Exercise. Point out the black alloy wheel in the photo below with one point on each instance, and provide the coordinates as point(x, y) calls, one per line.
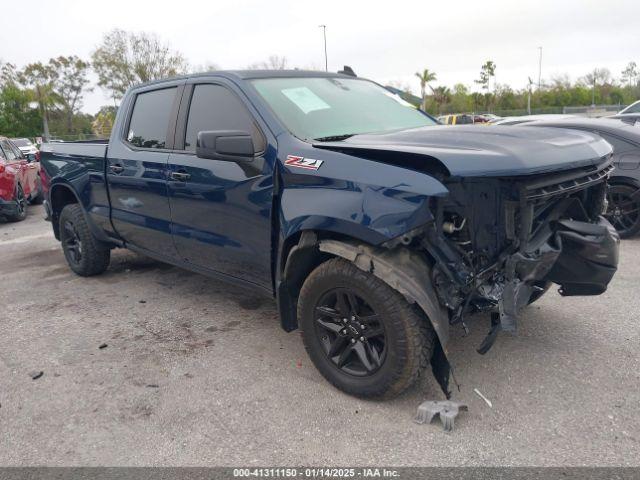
point(85, 255)
point(361, 334)
point(623, 210)
point(72, 244)
point(352, 335)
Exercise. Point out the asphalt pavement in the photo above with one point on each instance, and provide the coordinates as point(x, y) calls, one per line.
point(193, 372)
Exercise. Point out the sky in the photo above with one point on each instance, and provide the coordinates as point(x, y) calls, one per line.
point(384, 41)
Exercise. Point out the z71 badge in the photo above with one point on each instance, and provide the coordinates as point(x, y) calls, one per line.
point(301, 162)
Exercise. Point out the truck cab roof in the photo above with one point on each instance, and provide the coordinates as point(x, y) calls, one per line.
point(249, 75)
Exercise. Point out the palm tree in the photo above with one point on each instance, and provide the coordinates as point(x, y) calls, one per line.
point(425, 77)
point(441, 95)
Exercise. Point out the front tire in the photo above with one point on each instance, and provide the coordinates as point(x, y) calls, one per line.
point(84, 254)
point(362, 335)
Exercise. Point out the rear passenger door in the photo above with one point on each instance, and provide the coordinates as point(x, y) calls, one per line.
point(137, 170)
point(221, 209)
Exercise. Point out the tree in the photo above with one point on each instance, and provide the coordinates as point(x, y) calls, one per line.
point(103, 123)
point(441, 95)
point(69, 83)
point(124, 59)
point(595, 77)
point(630, 73)
point(41, 78)
point(274, 62)
point(8, 74)
point(205, 67)
point(460, 99)
point(425, 78)
point(17, 117)
point(487, 71)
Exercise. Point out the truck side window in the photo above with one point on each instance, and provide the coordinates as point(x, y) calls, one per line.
point(150, 118)
point(214, 107)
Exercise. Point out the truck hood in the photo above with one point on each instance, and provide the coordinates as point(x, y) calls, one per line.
point(480, 151)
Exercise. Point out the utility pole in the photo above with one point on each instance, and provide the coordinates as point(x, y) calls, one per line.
point(324, 34)
point(540, 69)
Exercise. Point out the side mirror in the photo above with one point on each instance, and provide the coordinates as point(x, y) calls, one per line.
point(231, 145)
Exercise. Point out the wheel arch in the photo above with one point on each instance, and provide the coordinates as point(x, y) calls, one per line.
point(60, 195)
point(624, 180)
point(400, 268)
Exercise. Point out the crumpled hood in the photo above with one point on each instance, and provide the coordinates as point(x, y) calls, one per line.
point(470, 151)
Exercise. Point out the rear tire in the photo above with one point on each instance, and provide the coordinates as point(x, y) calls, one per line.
point(362, 335)
point(21, 205)
point(84, 254)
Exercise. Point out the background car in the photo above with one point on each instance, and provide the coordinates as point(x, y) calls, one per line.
point(624, 184)
point(630, 118)
point(531, 118)
point(26, 147)
point(491, 118)
point(633, 108)
point(20, 182)
point(462, 119)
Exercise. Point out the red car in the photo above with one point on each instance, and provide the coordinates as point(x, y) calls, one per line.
point(19, 181)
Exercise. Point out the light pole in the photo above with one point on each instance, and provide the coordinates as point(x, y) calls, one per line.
point(324, 34)
point(540, 69)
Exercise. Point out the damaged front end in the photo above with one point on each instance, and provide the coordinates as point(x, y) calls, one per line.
point(498, 243)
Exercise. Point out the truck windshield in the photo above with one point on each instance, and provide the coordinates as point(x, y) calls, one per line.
point(329, 109)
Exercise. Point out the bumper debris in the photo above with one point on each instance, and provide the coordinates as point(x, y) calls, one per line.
point(447, 410)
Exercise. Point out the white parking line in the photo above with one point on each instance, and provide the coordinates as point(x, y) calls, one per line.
point(28, 238)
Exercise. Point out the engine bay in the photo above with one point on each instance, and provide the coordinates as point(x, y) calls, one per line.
point(497, 244)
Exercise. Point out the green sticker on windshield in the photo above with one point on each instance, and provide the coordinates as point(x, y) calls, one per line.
point(305, 99)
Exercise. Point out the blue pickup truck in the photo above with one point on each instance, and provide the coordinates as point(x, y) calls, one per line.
point(376, 230)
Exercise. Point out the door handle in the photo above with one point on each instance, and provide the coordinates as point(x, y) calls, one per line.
point(180, 176)
point(117, 168)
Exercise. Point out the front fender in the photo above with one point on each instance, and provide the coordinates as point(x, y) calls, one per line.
point(359, 198)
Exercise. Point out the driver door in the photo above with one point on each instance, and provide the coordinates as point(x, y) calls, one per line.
point(220, 209)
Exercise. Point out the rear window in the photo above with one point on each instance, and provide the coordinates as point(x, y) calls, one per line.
point(21, 142)
point(150, 118)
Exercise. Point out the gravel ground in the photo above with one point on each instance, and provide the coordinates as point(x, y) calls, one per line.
point(195, 373)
